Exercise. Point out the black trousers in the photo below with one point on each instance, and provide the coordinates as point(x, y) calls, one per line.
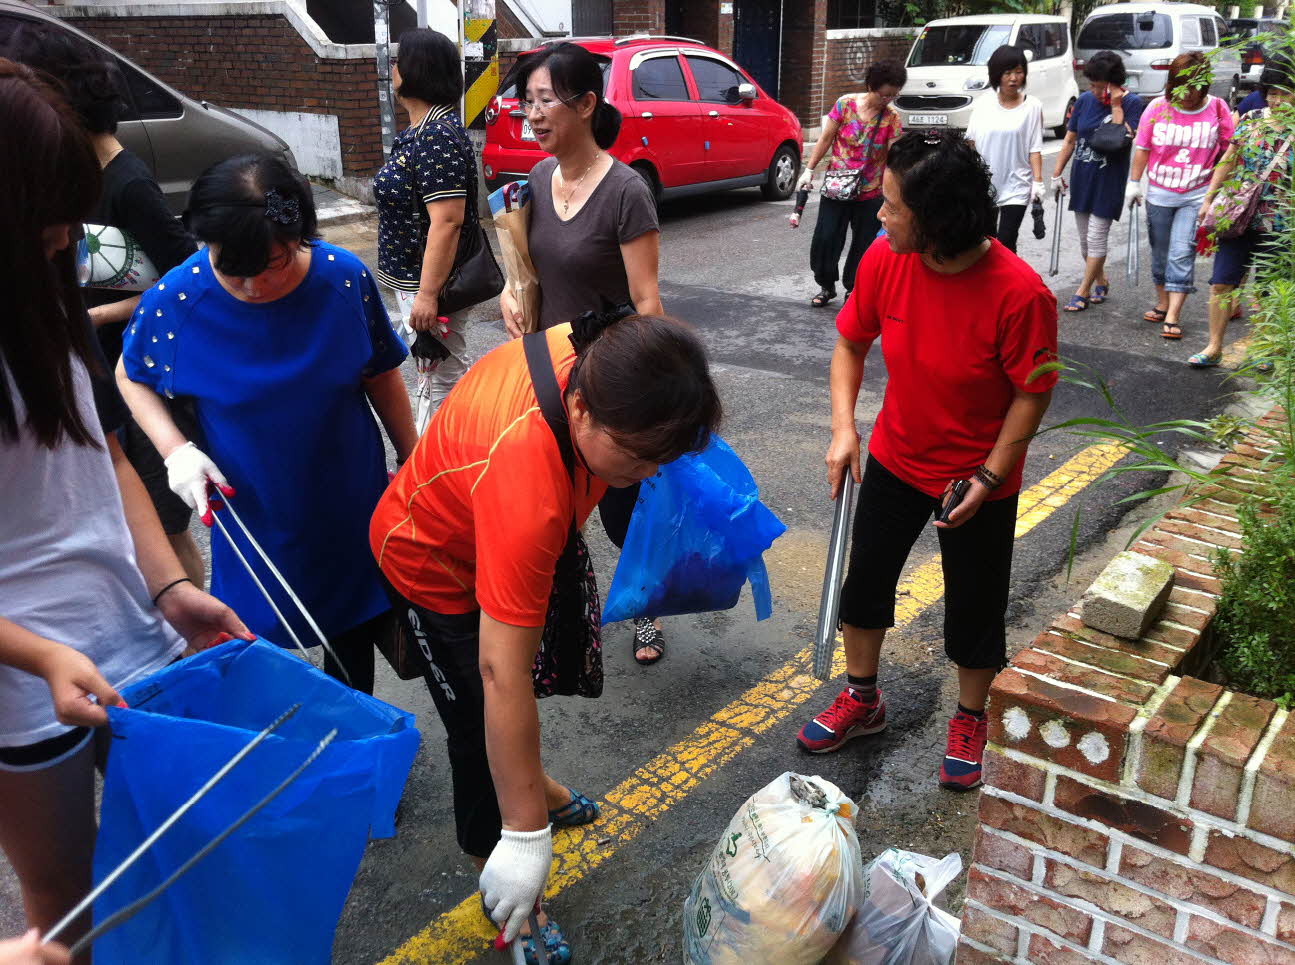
point(354, 650)
point(976, 559)
point(1010, 217)
point(615, 509)
point(835, 219)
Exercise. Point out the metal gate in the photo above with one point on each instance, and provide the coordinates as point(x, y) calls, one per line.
point(757, 40)
point(591, 18)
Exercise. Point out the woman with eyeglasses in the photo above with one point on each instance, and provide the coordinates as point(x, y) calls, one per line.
point(594, 236)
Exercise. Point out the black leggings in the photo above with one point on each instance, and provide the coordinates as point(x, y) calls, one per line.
point(615, 509)
point(976, 559)
point(1010, 217)
point(354, 649)
point(835, 218)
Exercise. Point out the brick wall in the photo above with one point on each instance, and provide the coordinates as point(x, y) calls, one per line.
point(638, 16)
point(701, 20)
point(804, 27)
point(847, 59)
point(257, 62)
point(1131, 812)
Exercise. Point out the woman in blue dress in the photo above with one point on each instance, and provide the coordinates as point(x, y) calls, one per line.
point(282, 342)
point(1097, 180)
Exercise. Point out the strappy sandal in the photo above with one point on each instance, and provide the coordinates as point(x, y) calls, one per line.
point(1100, 294)
point(1077, 303)
point(556, 946)
point(1171, 331)
point(648, 637)
point(579, 810)
point(1155, 315)
point(824, 296)
point(1203, 360)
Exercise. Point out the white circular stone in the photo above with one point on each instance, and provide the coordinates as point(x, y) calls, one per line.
point(1094, 747)
point(1016, 723)
point(1054, 734)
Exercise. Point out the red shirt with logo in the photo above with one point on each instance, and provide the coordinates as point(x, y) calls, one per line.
point(957, 347)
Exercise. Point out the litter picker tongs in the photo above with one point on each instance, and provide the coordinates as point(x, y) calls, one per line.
point(829, 606)
point(129, 911)
point(1132, 257)
point(1055, 265)
point(274, 571)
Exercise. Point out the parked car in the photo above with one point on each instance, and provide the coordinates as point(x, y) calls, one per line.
point(1253, 55)
point(694, 121)
point(1148, 36)
point(177, 136)
point(946, 68)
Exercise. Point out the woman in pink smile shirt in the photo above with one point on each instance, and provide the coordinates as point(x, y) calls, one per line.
point(1180, 139)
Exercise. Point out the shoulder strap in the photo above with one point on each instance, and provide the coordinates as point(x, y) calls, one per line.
point(540, 364)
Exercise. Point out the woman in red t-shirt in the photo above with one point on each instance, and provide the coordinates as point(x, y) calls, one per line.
point(964, 324)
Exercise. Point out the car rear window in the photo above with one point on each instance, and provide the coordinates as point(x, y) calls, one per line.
point(660, 79)
point(959, 45)
point(1127, 32)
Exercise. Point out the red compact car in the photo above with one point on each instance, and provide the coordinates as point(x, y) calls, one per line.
point(694, 122)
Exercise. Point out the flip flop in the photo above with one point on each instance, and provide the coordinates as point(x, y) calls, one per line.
point(1155, 315)
point(1171, 331)
point(1203, 361)
point(1078, 303)
point(1100, 293)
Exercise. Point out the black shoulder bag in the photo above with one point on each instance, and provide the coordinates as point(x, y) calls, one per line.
point(570, 658)
point(475, 277)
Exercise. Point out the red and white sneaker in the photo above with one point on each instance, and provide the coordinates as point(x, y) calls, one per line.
point(964, 752)
point(848, 717)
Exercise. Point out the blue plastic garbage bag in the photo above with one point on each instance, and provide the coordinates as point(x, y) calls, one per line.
point(274, 890)
point(697, 536)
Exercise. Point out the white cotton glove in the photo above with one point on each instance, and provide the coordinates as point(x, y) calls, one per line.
point(514, 876)
point(1036, 191)
point(188, 470)
point(1058, 186)
point(1132, 193)
point(806, 180)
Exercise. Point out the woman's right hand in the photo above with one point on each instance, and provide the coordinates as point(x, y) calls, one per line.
point(1058, 186)
point(842, 455)
point(73, 679)
point(28, 950)
point(511, 312)
point(1117, 96)
point(188, 472)
point(514, 876)
point(806, 180)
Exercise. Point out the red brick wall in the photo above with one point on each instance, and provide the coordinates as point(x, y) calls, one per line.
point(256, 62)
point(847, 61)
point(804, 43)
point(701, 20)
point(1131, 811)
point(638, 16)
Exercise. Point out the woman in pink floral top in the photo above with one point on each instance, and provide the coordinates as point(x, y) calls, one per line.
point(858, 131)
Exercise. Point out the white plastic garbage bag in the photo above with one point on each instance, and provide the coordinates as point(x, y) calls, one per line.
point(897, 922)
point(783, 881)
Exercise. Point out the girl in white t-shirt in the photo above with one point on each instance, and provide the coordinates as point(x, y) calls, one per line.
point(91, 594)
point(1007, 130)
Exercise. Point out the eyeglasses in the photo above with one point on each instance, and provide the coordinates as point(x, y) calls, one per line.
point(543, 104)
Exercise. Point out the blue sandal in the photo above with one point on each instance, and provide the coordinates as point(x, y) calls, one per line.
point(579, 810)
point(1076, 304)
point(1100, 292)
point(1203, 361)
point(556, 947)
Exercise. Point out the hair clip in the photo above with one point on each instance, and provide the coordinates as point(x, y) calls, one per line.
point(281, 210)
point(932, 137)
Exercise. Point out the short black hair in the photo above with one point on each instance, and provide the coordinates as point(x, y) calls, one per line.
point(230, 205)
point(1106, 66)
point(1006, 58)
point(574, 72)
point(86, 76)
point(885, 73)
point(429, 67)
point(946, 184)
point(1278, 73)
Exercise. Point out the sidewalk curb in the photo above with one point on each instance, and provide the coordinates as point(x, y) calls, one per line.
point(344, 212)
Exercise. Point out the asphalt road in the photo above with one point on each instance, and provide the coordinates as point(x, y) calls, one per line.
point(732, 267)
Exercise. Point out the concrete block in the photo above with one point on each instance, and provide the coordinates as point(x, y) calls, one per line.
point(1128, 596)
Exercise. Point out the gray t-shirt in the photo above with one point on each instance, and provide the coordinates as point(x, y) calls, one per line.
point(579, 261)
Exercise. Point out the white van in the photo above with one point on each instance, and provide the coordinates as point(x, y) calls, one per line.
point(946, 68)
point(1148, 36)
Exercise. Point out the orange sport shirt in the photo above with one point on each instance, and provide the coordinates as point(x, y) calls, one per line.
point(481, 511)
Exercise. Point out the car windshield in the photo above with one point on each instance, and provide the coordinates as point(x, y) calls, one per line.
point(1127, 32)
point(960, 45)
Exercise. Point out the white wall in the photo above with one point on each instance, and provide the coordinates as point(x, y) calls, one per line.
point(314, 138)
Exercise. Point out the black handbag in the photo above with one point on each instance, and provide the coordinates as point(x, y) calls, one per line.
point(475, 277)
point(570, 658)
point(1110, 138)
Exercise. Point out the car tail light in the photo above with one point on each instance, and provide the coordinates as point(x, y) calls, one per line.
point(1159, 65)
point(492, 110)
point(1252, 58)
point(1077, 64)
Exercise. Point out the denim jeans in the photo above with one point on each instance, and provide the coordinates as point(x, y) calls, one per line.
point(1172, 234)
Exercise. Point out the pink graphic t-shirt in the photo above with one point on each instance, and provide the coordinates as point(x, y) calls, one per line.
point(860, 144)
point(1184, 146)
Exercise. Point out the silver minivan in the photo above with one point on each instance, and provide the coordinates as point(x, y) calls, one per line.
point(178, 137)
point(1148, 36)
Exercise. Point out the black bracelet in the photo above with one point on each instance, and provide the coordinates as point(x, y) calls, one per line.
point(988, 478)
point(173, 583)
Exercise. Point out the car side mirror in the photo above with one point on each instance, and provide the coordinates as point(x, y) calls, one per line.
point(746, 92)
point(1029, 54)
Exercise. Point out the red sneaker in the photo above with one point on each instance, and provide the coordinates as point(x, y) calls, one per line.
point(847, 717)
point(964, 752)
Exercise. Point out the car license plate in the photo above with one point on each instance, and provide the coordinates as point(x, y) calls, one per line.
point(931, 120)
point(527, 133)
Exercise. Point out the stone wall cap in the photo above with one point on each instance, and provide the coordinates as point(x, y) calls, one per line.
point(1128, 595)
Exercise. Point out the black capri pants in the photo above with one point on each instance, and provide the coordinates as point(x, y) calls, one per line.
point(976, 559)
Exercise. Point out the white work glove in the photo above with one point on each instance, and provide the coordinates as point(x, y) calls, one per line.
point(806, 180)
point(514, 876)
point(1132, 193)
point(1036, 191)
point(188, 470)
point(1058, 186)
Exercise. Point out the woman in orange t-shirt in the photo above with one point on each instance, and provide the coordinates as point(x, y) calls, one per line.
point(469, 533)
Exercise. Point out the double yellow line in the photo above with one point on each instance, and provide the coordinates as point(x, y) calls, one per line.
point(462, 934)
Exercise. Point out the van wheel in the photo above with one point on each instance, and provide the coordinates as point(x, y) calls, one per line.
point(781, 179)
point(651, 180)
point(1065, 119)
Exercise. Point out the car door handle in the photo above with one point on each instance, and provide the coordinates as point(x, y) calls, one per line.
point(646, 115)
point(713, 114)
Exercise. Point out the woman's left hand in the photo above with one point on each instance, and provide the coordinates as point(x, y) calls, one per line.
point(422, 316)
point(976, 493)
point(1206, 205)
point(200, 618)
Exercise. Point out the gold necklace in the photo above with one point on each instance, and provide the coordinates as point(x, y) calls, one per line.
point(566, 205)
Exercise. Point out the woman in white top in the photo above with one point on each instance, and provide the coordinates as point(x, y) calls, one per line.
point(1007, 130)
point(91, 594)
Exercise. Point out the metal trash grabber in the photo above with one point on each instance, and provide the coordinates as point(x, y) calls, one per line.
point(274, 570)
point(1054, 265)
point(829, 605)
point(130, 911)
point(1133, 255)
point(166, 825)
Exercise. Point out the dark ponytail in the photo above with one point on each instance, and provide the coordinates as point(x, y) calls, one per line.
point(646, 382)
point(606, 124)
point(574, 72)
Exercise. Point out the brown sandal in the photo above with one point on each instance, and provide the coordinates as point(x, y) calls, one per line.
point(1155, 315)
point(1171, 331)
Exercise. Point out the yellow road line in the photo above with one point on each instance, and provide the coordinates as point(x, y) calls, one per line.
point(462, 934)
